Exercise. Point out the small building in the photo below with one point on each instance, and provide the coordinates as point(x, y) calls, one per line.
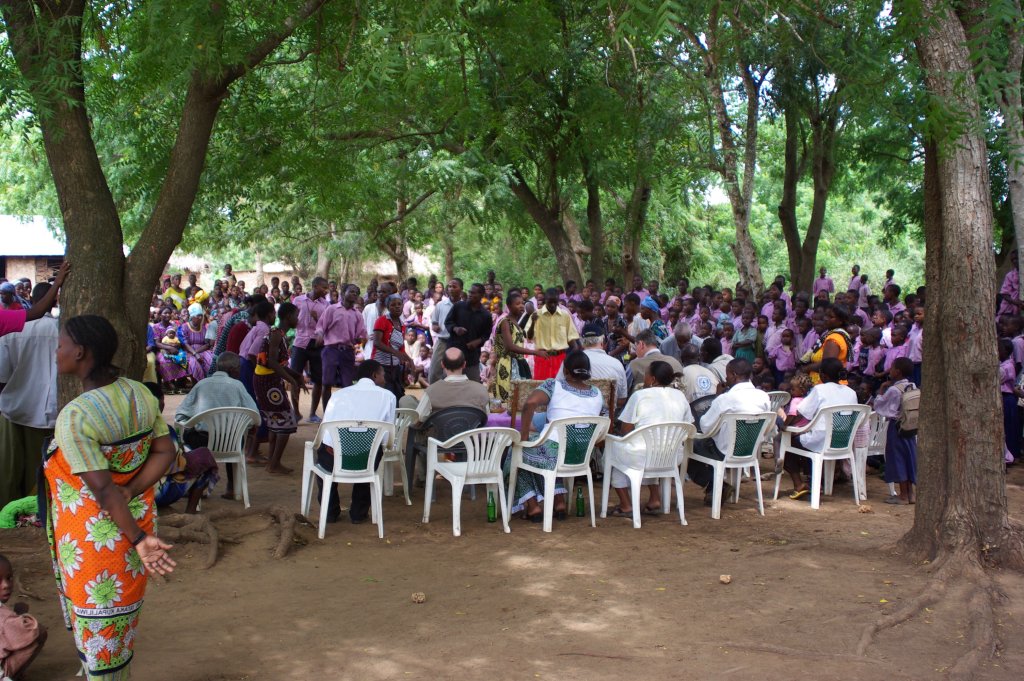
point(28, 249)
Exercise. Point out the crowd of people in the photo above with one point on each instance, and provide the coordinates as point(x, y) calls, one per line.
point(363, 354)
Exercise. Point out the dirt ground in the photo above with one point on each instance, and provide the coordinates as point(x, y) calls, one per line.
point(579, 603)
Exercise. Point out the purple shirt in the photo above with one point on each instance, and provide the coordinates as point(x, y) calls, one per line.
point(11, 321)
point(784, 358)
point(340, 325)
point(1010, 289)
point(854, 283)
point(310, 311)
point(894, 353)
point(253, 340)
point(823, 284)
point(1007, 376)
point(915, 338)
point(808, 341)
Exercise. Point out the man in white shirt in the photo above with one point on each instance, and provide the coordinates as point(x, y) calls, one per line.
point(28, 401)
point(371, 312)
point(828, 393)
point(697, 381)
point(741, 398)
point(437, 328)
point(602, 365)
point(658, 402)
point(366, 399)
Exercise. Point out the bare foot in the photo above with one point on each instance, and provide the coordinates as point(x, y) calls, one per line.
point(279, 470)
point(257, 461)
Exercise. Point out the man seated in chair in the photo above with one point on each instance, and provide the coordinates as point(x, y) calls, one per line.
point(456, 390)
point(366, 400)
point(829, 393)
point(741, 397)
point(657, 403)
point(223, 388)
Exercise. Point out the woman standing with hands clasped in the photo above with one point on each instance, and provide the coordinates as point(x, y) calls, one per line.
point(110, 448)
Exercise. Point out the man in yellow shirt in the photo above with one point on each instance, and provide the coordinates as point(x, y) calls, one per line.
point(551, 329)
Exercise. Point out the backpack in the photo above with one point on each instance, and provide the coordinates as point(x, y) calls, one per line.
point(910, 401)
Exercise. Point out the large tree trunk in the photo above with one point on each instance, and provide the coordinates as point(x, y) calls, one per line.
point(961, 509)
point(803, 253)
point(258, 266)
point(567, 257)
point(323, 262)
point(595, 224)
point(449, 252)
point(636, 219)
point(398, 250)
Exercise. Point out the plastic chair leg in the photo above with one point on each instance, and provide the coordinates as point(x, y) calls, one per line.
point(504, 506)
point(377, 490)
point(855, 480)
point(304, 498)
point(512, 475)
point(666, 495)
point(778, 473)
point(590, 491)
point(243, 480)
point(428, 493)
point(606, 484)
point(457, 486)
point(716, 492)
point(549, 500)
point(635, 478)
point(325, 497)
point(816, 469)
point(757, 484)
point(405, 482)
point(679, 496)
point(829, 474)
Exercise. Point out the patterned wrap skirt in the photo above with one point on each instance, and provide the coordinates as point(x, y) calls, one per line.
point(274, 403)
point(101, 581)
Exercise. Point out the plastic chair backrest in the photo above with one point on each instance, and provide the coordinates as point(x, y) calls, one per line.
point(484, 447)
point(577, 437)
point(699, 407)
point(226, 427)
point(446, 423)
point(779, 399)
point(844, 422)
point(662, 442)
point(356, 442)
point(748, 437)
point(404, 418)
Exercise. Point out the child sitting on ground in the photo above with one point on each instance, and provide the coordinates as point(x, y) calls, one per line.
point(21, 636)
point(900, 447)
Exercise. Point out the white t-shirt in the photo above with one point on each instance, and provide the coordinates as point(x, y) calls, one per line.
point(742, 398)
point(698, 381)
point(363, 400)
point(603, 365)
point(822, 395)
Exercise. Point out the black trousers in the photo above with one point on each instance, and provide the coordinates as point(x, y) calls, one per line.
point(700, 472)
point(359, 509)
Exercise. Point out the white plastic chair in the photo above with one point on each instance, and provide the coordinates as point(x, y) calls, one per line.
point(484, 447)
point(356, 445)
point(227, 428)
point(576, 438)
point(841, 426)
point(662, 443)
point(394, 453)
point(879, 436)
point(749, 432)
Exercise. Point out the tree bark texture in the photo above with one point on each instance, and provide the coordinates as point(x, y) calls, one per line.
point(961, 509)
point(549, 219)
point(595, 225)
point(739, 186)
point(803, 253)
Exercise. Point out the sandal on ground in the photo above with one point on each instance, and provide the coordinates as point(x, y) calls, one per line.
point(647, 510)
point(799, 494)
point(895, 501)
point(536, 517)
point(617, 512)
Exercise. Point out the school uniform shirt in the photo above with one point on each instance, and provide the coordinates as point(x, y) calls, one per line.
point(1010, 289)
point(854, 283)
point(250, 346)
point(363, 400)
point(822, 395)
point(1007, 376)
point(876, 357)
point(784, 358)
point(339, 325)
point(311, 310)
point(823, 284)
point(864, 291)
point(915, 337)
point(742, 398)
point(887, 405)
point(892, 354)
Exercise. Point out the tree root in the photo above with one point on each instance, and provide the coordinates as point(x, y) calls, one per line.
point(980, 598)
point(200, 528)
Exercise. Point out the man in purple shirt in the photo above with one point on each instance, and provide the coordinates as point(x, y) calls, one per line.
point(340, 328)
point(306, 350)
point(824, 283)
point(855, 279)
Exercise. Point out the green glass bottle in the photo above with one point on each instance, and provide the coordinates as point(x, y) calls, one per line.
point(492, 509)
point(579, 503)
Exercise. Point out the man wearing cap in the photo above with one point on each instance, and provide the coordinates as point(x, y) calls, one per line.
point(603, 365)
point(551, 329)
